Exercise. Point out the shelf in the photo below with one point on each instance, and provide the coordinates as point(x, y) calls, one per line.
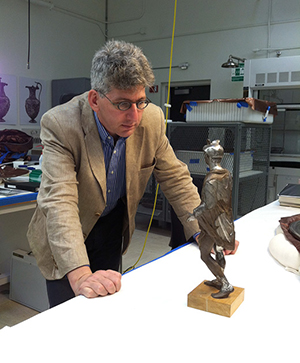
point(250, 186)
point(148, 211)
point(250, 174)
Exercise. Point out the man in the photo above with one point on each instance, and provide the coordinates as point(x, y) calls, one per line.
point(100, 150)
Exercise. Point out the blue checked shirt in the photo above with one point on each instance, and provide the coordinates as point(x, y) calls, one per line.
point(115, 165)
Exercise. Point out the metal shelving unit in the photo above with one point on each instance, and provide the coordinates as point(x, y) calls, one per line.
point(247, 157)
point(146, 204)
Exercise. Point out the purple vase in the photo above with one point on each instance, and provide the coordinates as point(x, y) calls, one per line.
point(4, 101)
point(32, 103)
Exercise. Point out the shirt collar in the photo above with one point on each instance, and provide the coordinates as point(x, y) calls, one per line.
point(104, 135)
point(102, 131)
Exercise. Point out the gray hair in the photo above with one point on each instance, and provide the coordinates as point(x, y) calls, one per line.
point(120, 65)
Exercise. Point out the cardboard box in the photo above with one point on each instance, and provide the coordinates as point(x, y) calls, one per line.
point(196, 162)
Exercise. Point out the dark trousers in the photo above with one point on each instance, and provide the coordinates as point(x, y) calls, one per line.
point(104, 248)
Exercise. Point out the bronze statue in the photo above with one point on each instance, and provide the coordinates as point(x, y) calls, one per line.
point(215, 218)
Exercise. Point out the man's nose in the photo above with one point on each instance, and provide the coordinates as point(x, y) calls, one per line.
point(133, 111)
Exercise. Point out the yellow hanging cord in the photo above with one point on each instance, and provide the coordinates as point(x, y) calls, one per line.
point(167, 112)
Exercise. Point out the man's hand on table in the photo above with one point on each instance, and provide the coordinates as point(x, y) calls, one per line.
point(99, 283)
point(232, 252)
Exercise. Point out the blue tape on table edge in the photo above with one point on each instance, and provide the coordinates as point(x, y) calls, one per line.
point(16, 199)
point(157, 258)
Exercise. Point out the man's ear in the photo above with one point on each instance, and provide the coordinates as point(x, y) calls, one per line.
point(93, 99)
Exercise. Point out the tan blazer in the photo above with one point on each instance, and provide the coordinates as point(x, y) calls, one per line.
point(72, 195)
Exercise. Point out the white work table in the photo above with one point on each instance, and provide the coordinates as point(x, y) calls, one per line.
point(15, 214)
point(149, 321)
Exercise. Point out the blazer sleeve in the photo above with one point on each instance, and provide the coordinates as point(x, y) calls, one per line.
point(58, 197)
point(176, 183)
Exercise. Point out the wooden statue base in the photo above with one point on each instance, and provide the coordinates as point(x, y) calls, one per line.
point(200, 298)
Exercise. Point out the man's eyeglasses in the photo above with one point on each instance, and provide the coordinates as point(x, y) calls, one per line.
point(125, 105)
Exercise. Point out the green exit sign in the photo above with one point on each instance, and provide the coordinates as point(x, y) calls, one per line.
point(237, 74)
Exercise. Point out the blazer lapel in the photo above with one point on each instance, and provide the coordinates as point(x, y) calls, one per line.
point(133, 153)
point(93, 146)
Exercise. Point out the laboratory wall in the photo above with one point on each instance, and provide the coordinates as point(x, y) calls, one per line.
point(64, 38)
point(206, 33)
point(61, 44)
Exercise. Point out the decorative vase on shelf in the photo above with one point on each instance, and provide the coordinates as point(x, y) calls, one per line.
point(4, 101)
point(32, 103)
